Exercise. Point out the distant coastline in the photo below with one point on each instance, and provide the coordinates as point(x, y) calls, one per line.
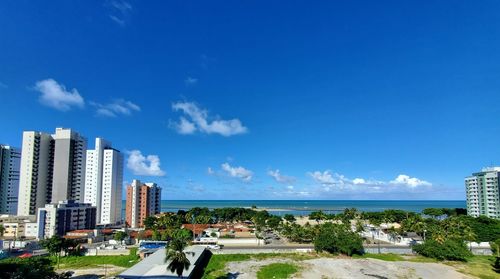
point(304, 207)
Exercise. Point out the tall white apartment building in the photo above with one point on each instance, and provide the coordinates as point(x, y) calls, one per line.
point(35, 181)
point(10, 160)
point(483, 193)
point(52, 169)
point(103, 181)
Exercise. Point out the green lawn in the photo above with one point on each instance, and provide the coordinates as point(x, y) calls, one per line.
point(277, 271)
point(94, 261)
point(383, 257)
point(479, 266)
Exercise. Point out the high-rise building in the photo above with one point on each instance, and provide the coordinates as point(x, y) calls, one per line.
point(52, 169)
point(59, 218)
point(69, 166)
point(483, 193)
point(10, 159)
point(143, 200)
point(35, 182)
point(103, 181)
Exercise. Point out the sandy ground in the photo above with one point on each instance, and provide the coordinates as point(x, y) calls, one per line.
point(91, 273)
point(350, 268)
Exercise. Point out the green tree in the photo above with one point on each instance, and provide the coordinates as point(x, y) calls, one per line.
point(433, 212)
point(289, 218)
point(317, 216)
point(120, 236)
point(2, 230)
point(156, 235)
point(453, 250)
point(32, 268)
point(54, 245)
point(176, 257)
point(335, 238)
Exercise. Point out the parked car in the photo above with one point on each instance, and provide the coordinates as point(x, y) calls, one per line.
point(214, 247)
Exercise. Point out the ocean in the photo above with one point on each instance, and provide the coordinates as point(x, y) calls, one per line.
point(304, 207)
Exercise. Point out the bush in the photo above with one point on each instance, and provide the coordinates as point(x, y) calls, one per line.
point(448, 250)
point(335, 238)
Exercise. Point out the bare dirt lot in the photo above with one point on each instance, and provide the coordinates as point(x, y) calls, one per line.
point(323, 268)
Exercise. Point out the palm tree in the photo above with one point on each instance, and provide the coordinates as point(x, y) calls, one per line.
point(175, 255)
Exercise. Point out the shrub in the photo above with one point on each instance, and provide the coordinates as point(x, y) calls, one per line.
point(452, 250)
point(335, 238)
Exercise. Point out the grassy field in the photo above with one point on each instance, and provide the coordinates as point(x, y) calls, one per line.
point(95, 261)
point(277, 271)
point(479, 266)
point(395, 257)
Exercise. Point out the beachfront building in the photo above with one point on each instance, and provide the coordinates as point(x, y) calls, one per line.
point(59, 218)
point(103, 182)
point(143, 200)
point(10, 159)
point(483, 193)
point(52, 169)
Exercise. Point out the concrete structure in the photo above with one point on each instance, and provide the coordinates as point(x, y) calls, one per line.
point(35, 182)
point(103, 182)
point(10, 160)
point(154, 266)
point(59, 218)
point(143, 200)
point(52, 169)
point(482, 191)
point(69, 166)
point(19, 227)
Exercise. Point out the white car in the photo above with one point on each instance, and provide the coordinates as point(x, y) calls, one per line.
point(214, 247)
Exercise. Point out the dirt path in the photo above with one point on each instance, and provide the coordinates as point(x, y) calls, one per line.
point(351, 268)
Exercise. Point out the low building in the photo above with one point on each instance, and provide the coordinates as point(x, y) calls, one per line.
point(19, 227)
point(59, 218)
point(155, 266)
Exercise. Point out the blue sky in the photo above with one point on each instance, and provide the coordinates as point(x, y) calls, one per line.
point(264, 99)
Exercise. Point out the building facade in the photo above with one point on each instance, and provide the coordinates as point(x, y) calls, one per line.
point(52, 169)
point(143, 200)
point(103, 182)
point(482, 190)
point(19, 227)
point(35, 181)
point(69, 166)
point(10, 160)
point(59, 218)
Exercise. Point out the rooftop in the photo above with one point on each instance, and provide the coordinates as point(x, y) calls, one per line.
point(154, 266)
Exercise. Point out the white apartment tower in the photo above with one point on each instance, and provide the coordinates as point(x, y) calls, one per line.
point(35, 181)
point(482, 190)
point(52, 169)
point(103, 181)
point(10, 159)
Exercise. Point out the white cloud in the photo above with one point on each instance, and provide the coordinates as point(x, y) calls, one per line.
point(121, 6)
point(117, 20)
point(190, 81)
point(237, 172)
point(56, 96)
point(120, 11)
point(197, 119)
point(406, 180)
point(325, 178)
point(140, 165)
point(280, 178)
point(117, 107)
point(210, 171)
point(357, 181)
